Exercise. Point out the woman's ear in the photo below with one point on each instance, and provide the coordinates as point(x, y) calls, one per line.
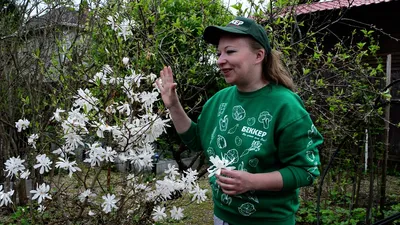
point(260, 55)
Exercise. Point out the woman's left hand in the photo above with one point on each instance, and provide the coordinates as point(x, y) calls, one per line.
point(234, 182)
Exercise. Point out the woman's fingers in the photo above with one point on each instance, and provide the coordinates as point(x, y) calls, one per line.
point(226, 186)
point(226, 180)
point(167, 87)
point(226, 183)
point(159, 84)
point(233, 182)
point(170, 74)
point(167, 75)
point(228, 189)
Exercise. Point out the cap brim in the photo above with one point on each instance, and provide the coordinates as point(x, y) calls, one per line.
point(212, 34)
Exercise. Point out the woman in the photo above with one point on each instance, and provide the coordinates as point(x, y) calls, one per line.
point(259, 124)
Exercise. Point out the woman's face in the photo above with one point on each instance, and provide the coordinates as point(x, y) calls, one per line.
point(239, 64)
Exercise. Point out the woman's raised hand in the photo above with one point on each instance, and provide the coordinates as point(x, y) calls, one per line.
point(167, 87)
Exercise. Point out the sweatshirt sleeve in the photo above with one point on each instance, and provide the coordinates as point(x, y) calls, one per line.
point(297, 150)
point(191, 138)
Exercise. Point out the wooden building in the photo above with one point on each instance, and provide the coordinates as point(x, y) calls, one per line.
point(383, 17)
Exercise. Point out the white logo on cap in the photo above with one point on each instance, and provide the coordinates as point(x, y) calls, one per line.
point(237, 22)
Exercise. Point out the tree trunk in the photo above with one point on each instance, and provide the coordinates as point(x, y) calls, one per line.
point(386, 139)
point(371, 183)
point(21, 189)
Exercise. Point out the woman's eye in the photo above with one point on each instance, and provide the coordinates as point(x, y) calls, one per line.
point(230, 51)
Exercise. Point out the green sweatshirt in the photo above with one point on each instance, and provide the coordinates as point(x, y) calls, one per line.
point(262, 131)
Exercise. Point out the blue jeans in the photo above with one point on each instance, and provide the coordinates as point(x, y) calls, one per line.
point(218, 221)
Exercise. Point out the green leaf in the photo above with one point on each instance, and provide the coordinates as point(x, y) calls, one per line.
point(386, 95)
point(361, 45)
point(237, 6)
point(306, 71)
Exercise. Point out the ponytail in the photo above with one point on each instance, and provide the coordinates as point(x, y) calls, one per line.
point(272, 68)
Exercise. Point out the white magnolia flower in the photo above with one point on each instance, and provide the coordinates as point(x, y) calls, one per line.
point(85, 99)
point(44, 163)
point(125, 61)
point(73, 140)
point(109, 203)
point(41, 208)
point(219, 164)
point(22, 124)
point(131, 178)
point(152, 77)
point(100, 76)
point(190, 178)
point(86, 194)
point(125, 28)
point(41, 192)
point(56, 115)
point(110, 109)
point(5, 197)
point(159, 213)
point(64, 151)
point(113, 80)
point(148, 98)
point(75, 122)
point(198, 194)
point(124, 109)
point(103, 127)
point(14, 166)
point(111, 21)
point(176, 213)
point(107, 69)
point(110, 154)
point(164, 188)
point(141, 158)
point(133, 78)
point(172, 171)
point(142, 187)
point(122, 157)
point(96, 154)
point(153, 126)
point(32, 140)
point(25, 174)
point(67, 165)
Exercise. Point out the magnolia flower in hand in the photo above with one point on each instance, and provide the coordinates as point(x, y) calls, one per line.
point(218, 164)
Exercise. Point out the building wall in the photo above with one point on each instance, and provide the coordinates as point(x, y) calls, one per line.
point(383, 18)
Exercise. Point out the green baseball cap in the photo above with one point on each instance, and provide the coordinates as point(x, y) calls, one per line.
point(240, 25)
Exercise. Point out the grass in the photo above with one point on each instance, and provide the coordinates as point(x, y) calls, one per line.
point(195, 213)
point(202, 213)
point(198, 213)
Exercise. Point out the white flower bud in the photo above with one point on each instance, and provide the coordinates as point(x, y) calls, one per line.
point(125, 61)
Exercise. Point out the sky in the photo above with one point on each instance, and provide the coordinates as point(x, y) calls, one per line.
point(232, 2)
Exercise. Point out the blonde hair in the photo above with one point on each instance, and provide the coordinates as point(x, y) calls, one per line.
point(272, 67)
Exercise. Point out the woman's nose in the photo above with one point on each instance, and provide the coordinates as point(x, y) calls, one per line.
point(221, 60)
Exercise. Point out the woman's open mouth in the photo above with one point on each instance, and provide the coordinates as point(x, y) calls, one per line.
point(226, 71)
